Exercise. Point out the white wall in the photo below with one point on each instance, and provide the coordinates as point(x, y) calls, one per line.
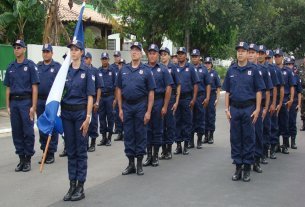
point(34, 53)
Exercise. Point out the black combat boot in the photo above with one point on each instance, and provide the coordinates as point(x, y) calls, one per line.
point(277, 148)
point(27, 163)
point(50, 158)
point(206, 137)
point(265, 155)
point(211, 137)
point(272, 151)
point(199, 141)
point(185, 148)
point(108, 141)
point(70, 191)
point(155, 157)
point(20, 164)
point(148, 160)
point(285, 145)
point(164, 152)
point(238, 172)
point(247, 169)
point(92, 145)
point(131, 168)
point(169, 152)
point(139, 165)
point(293, 144)
point(303, 127)
point(104, 140)
point(120, 137)
point(178, 149)
point(191, 143)
point(64, 153)
point(79, 193)
point(256, 166)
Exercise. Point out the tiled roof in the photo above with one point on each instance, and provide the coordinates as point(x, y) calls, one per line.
point(67, 15)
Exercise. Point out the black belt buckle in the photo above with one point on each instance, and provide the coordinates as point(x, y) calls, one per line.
point(185, 95)
point(243, 104)
point(159, 96)
point(106, 94)
point(74, 107)
point(20, 97)
point(136, 101)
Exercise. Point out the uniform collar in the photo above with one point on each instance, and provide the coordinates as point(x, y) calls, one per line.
point(25, 62)
point(156, 66)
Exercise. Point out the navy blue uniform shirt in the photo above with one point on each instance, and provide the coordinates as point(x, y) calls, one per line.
point(188, 77)
point(287, 78)
point(109, 79)
point(162, 78)
point(47, 73)
point(99, 82)
point(204, 77)
point(172, 69)
point(264, 72)
point(298, 86)
point(80, 84)
point(21, 76)
point(135, 83)
point(243, 82)
point(215, 80)
point(273, 75)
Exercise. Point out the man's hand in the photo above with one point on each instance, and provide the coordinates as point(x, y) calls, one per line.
point(265, 111)
point(8, 111)
point(205, 102)
point(216, 102)
point(95, 107)
point(163, 111)
point(272, 109)
point(278, 108)
point(85, 126)
point(174, 108)
point(32, 113)
point(228, 115)
point(192, 103)
point(288, 104)
point(254, 116)
point(146, 118)
point(121, 115)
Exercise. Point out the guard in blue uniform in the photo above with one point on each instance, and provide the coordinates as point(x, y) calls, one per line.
point(264, 72)
point(47, 69)
point(210, 115)
point(76, 109)
point(135, 95)
point(243, 85)
point(189, 89)
point(163, 92)
point(279, 94)
point(99, 84)
point(106, 104)
point(296, 105)
point(21, 81)
point(283, 118)
point(272, 103)
point(169, 134)
point(202, 101)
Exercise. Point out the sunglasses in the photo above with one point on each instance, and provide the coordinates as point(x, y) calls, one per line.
point(17, 47)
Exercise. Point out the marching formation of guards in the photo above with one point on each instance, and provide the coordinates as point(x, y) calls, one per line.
point(153, 105)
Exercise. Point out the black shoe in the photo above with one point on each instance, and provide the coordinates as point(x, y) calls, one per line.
point(108, 141)
point(178, 149)
point(246, 177)
point(285, 146)
point(79, 192)
point(256, 166)
point(285, 150)
point(264, 160)
point(164, 152)
point(50, 158)
point(92, 145)
point(293, 144)
point(191, 143)
point(155, 157)
point(237, 174)
point(20, 164)
point(103, 141)
point(206, 137)
point(131, 168)
point(199, 141)
point(272, 152)
point(148, 157)
point(64, 153)
point(139, 165)
point(211, 137)
point(27, 164)
point(277, 148)
point(169, 152)
point(71, 190)
point(120, 137)
point(185, 148)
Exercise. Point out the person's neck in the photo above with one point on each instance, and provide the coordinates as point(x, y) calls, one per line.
point(166, 62)
point(20, 59)
point(76, 64)
point(242, 63)
point(135, 63)
point(280, 66)
point(262, 62)
point(105, 66)
point(196, 65)
point(152, 64)
point(47, 62)
point(209, 69)
point(182, 63)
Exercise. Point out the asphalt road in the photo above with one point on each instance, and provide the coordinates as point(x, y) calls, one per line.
point(201, 179)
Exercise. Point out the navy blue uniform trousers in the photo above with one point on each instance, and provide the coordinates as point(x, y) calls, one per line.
point(183, 120)
point(155, 125)
point(169, 133)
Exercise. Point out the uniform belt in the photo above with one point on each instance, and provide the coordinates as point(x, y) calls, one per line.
point(200, 94)
point(186, 95)
point(243, 104)
point(73, 107)
point(106, 94)
point(20, 97)
point(134, 102)
point(159, 96)
point(43, 97)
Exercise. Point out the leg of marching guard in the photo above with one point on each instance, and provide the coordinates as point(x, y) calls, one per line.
point(266, 138)
point(258, 143)
point(274, 141)
point(103, 123)
point(179, 125)
point(110, 118)
point(284, 128)
point(187, 120)
point(293, 125)
point(210, 127)
point(93, 131)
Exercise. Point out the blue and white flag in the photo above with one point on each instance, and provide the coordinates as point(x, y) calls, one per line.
point(50, 119)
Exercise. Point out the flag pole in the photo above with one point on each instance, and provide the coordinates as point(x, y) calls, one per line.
point(45, 154)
